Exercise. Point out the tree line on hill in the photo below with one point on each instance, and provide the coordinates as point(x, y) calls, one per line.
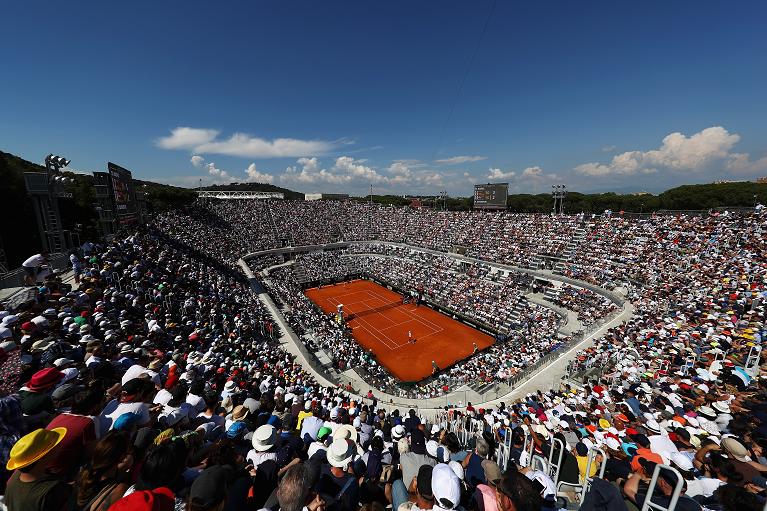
point(687, 197)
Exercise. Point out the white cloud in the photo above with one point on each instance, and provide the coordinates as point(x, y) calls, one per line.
point(346, 165)
point(206, 141)
point(186, 138)
point(400, 169)
point(344, 170)
point(677, 153)
point(218, 175)
point(499, 174)
point(243, 145)
point(430, 179)
point(255, 176)
point(608, 148)
point(469, 177)
point(410, 163)
point(741, 163)
point(356, 174)
point(310, 172)
point(532, 173)
point(460, 159)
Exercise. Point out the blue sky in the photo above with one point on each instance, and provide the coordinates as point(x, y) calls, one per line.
point(333, 96)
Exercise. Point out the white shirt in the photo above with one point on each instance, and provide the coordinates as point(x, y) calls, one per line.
point(197, 402)
point(93, 361)
point(162, 397)
point(137, 370)
point(215, 419)
point(314, 447)
point(256, 458)
point(114, 409)
point(40, 321)
point(544, 479)
point(311, 425)
point(705, 486)
point(34, 261)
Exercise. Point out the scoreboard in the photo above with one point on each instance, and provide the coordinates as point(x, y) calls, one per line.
point(123, 194)
point(491, 196)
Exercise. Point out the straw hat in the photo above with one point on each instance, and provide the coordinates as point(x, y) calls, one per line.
point(341, 453)
point(33, 446)
point(345, 431)
point(240, 412)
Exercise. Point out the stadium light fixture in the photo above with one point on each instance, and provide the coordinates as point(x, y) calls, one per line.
point(55, 162)
point(558, 193)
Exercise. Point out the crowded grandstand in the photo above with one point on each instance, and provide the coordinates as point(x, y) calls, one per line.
point(186, 367)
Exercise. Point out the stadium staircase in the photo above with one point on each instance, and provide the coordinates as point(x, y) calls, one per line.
point(551, 294)
point(516, 315)
point(572, 248)
point(272, 223)
point(300, 272)
point(537, 262)
point(482, 387)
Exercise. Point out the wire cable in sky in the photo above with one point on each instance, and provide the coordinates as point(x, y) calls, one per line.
point(463, 81)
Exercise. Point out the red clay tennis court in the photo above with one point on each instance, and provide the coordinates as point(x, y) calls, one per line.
point(380, 322)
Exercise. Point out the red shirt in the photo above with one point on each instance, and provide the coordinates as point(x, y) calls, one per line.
point(70, 453)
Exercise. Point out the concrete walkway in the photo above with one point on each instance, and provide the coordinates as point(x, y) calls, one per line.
point(570, 326)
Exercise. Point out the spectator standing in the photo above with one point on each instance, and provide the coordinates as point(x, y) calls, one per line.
point(32, 266)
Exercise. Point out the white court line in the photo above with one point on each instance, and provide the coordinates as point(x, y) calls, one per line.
point(435, 329)
point(379, 336)
point(412, 317)
point(378, 333)
point(409, 312)
point(375, 332)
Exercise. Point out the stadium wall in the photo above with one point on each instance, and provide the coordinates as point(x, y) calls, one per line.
point(542, 274)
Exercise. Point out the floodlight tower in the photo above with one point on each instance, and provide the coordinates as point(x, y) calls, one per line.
point(558, 193)
point(45, 190)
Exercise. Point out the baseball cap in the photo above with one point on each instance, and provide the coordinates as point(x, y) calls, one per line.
point(446, 487)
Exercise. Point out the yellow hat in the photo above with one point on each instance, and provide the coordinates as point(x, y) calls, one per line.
point(33, 446)
point(604, 423)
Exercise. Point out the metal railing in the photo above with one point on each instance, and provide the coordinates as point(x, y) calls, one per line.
point(649, 504)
